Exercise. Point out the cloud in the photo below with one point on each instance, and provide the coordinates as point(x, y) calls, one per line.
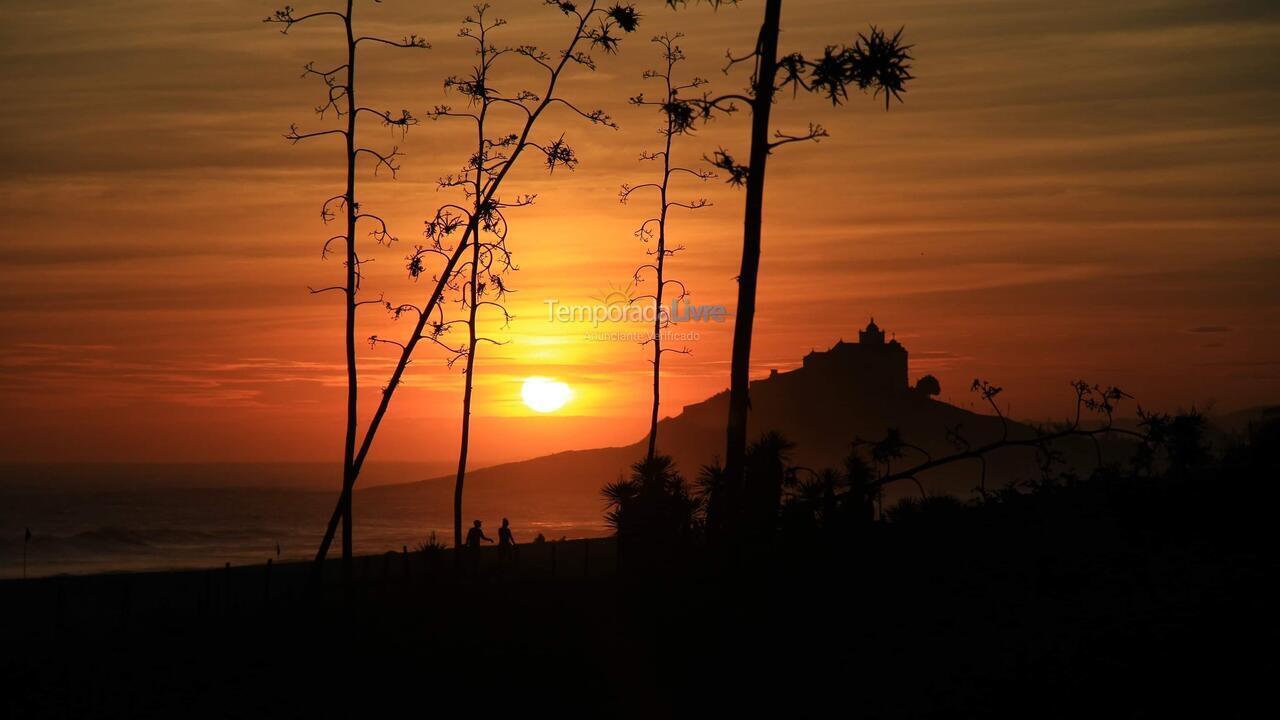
point(1065, 183)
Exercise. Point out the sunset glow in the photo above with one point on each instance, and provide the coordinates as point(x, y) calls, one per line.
point(544, 394)
point(639, 358)
point(1069, 191)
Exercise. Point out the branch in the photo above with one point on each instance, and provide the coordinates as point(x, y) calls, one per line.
point(814, 133)
point(285, 17)
point(317, 291)
point(1102, 400)
point(294, 136)
point(387, 160)
point(409, 41)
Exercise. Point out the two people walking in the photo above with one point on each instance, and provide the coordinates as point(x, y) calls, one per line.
point(506, 543)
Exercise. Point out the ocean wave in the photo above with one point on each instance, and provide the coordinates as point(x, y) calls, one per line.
point(124, 537)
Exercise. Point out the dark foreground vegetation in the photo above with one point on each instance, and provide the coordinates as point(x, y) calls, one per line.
point(1123, 594)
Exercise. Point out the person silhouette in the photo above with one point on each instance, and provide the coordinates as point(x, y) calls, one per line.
point(475, 535)
point(506, 541)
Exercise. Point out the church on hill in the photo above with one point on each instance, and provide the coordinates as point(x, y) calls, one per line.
point(871, 364)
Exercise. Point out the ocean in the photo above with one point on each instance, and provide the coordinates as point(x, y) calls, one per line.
point(87, 519)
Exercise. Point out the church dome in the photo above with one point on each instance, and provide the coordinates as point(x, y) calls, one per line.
point(873, 335)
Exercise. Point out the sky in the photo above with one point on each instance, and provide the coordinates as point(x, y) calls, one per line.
point(1070, 190)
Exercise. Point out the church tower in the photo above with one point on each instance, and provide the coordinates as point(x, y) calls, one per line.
point(873, 335)
point(872, 366)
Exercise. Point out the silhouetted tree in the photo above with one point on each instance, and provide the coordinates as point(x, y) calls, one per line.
point(1095, 400)
point(768, 467)
point(595, 26)
point(1254, 456)
point(712, 488)
point(1180, 436)
point(653, 513)
point(743, 509)
point(875, 61)
point(809, 503)
point(929, 386)
point(489, 260)
point(478, 279)
point(827, 503)
point(341, 98)
point(679, 115)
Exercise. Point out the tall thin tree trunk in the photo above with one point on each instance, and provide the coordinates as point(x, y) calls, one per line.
point(349, 444)
point(739, 377)
point(340, 83)
point(658, 294)
point(416, 335)
point(466, 394)
point(478, 205)
point(657, 367)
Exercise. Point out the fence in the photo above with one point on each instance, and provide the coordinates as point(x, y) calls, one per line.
point(250, 589)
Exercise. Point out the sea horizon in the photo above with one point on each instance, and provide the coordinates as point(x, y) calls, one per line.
point(102, 527)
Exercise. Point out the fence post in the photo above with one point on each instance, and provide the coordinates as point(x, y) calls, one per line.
point(62, 601)
point(126, 600)
point(266, 587)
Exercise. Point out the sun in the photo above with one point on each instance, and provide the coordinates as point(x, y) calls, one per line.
point(544, 394)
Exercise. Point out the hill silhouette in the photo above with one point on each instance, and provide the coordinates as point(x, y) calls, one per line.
point(853, 390)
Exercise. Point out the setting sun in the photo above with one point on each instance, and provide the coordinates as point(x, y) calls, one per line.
point(544, 394)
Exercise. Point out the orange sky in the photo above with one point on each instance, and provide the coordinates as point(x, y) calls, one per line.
point(1084, 189)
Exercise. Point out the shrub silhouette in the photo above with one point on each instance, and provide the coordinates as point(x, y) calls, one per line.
point(653, 513)
point(776, 507)
point(929, 386)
